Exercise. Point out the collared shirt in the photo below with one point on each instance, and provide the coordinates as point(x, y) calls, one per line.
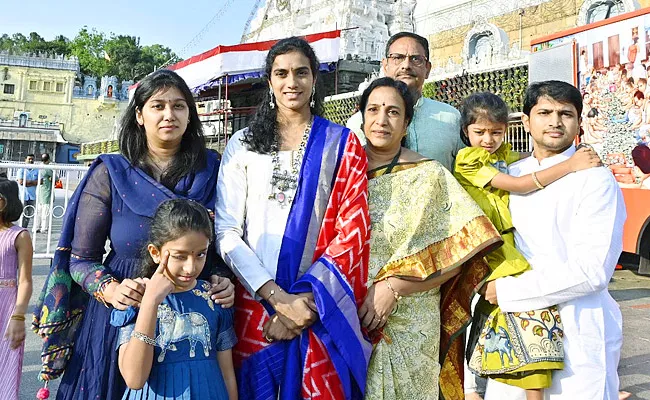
point(28, 174)
point(571, 233)
point(434, 131)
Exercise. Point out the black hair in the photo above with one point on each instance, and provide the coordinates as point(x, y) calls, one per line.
point(262, 128)
point(421, 41)
point(401, 88)
point(173, 219)
point(13, 207)
point(481, 105)
point(132, 138)
point(557, 90)
point(30, 155)
point(45, 157)
point(592, 113)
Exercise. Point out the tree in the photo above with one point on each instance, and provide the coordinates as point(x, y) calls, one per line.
point(60, 45)
point(123, 53)
point(152, 58)
point(6, 43)
point(88, 47)
point(99, 55)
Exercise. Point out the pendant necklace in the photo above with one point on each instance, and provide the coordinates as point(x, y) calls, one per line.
point(156, 169)
point(282, 181)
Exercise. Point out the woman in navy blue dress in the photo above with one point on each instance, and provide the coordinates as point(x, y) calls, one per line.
point(163, 156)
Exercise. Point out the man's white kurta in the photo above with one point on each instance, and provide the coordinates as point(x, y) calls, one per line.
point(571, 233)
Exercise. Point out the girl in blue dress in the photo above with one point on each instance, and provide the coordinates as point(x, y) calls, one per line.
point(179, 345)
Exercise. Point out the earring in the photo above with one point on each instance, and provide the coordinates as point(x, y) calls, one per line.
point(272, 102)
point(312, 103)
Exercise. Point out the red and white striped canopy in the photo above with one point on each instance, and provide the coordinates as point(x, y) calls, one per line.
point(246, 60)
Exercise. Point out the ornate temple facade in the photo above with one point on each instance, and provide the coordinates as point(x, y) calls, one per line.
point(367, 24)
point(487, 34)
point(464, 35)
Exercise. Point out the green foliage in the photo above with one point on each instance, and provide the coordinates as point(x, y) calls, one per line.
point(124, 54)
point(510, 84)
point(34, 44)
point(99, 55)
point(88, 46)
point(339, 111)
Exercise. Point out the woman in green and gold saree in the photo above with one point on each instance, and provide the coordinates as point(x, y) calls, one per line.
point(427, 238)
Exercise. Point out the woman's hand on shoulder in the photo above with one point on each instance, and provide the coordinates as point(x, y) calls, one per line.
point(377, 306)
point(127, 293)
point(159, 285)
point(222, 291)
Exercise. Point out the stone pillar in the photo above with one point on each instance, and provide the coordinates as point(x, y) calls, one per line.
point(21, 87)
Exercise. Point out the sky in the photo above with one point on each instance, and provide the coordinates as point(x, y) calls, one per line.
point(170, 23)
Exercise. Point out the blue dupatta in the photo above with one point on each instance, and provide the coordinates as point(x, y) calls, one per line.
point(62, 301)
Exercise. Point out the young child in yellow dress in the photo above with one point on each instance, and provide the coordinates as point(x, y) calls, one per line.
point(519, 349)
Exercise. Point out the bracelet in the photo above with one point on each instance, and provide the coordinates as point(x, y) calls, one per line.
point(537, 183)
point(397, 296)
point(17, 317)
point(99, 293)
point(143, 338)
point(272, 292)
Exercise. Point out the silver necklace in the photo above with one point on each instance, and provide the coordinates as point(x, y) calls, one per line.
point(282, 181)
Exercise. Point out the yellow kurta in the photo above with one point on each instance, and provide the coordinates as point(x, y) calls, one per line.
point(514, 359)
point(423, 222)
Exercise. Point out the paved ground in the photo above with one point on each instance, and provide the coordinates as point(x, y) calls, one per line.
point(631, 291)
point(633, 295)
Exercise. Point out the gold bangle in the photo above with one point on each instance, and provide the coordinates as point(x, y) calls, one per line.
point(17, 317)
point(143, 338)
point(537, 182)
point(397, 296)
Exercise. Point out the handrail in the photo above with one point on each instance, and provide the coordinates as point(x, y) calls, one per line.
point(48, 216)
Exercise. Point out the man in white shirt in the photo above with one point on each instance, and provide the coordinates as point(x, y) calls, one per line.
point(571, 233)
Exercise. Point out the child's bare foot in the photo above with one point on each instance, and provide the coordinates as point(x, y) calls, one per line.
point(624, 395)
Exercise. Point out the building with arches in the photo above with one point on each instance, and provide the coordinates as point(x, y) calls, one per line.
point(41, 109)
point(464, 35)
point(488, 34)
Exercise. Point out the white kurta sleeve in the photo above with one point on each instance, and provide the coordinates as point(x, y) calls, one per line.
point(595, 242)
point(230, 217)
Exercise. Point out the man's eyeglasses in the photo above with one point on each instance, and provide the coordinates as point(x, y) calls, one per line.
point(398, 59)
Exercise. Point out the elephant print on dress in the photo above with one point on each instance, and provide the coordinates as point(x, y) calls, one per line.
point(498, 343)
point(175, 327)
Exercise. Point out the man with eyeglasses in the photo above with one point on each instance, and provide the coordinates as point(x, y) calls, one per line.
point(435, 128)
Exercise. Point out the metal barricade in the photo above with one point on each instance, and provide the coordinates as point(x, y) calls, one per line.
point(51, 214)
point(517, 135)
